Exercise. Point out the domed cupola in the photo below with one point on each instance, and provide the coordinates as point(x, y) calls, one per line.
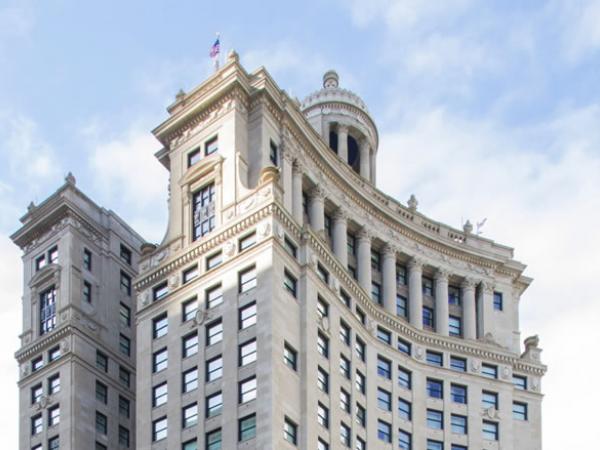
point(343, 121)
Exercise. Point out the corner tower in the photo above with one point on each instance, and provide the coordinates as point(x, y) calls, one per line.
point(342, 119)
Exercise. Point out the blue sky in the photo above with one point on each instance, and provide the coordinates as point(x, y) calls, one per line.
point(485, 109)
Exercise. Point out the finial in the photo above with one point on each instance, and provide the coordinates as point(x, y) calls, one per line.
point(31, 206)
point(412, 202)
point(331, 79)
point(468, 227)
point(233, 56)
point(180, 95)
point(70, 179)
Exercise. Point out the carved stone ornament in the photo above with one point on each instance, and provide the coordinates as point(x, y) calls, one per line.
point(419, 353)
point(229, 248)
point(412, 203)
point(475, 365)
point(24, 370)
point(173, 281)
point(535, 385)
point(324, 323)
point(65, 346)
point(491, 413)
point(336, 284)
point(505, 374)
point(278, 231)
point(201, 316)
point(42, 403)
point(264, 229)
point(145, 298)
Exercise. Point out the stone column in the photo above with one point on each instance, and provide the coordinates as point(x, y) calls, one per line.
point(342, 134)
point(365, 169)
point(441, 302)
point(317, 210)
point(297, 212)
point(388, 274)
point(286, 173)
point(415, 292)
point(485, 303)
point(363, 256)
point(340, 237)
point(373, 163)
point(467, 288)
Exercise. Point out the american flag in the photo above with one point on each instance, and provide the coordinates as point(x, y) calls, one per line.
point(215, 49)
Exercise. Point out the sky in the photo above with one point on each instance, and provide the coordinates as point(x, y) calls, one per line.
point(485, 110)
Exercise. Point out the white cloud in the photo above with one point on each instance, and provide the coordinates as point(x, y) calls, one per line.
point(579, 24)
point(540, 190)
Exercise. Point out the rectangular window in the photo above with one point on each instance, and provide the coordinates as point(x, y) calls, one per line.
point(361, 349)
point(125, 284)
point(247, 279)
point(40, 262)
point(124, 315)
point(101, 423)
point(435, 419)
point(159, 429)
point(53, 255)
point(247, 353)
point(53, 354)
point(345, 366)
point(190, 445)
point(124, 407)
point(322, 273)
point(346, 298)
point(375, 260)
point(124, 345)
point(160, 360)
point(189, 345)
point(290, 283)
point(519, 411)
point(247, 316)
point(273, 156)
point(351, 242)
point(247, 241)
point(159, 292)
point(323, 345)
point(434, 445)
point(455, 326)
point(159, 395)
point(322, 308)
point(290, 431)
point(211, 146)
point(361, 382)
point(87, 292)
point(290, 247)
point(53, 444)
point(344, 400)
point(214, 404)
point(427, 284)
point(189, 309)
point(53, 415)
point(47, 310)
point(214, 332)
point(435, 388)
point(247, 428)
point(214, 260)
point(194, 156)
point(434, 358)
point(362, 318)
point(190, 273)
point(160, 326)
point(322, 445)
point(323, 380)
point(404, 440)
point(489, 400)
point(404, 346)
point(290, 356)
point(247, 390)
point(376, 293)
point(203, 211)
point(124, 376)
point(384, 431)
point(520, 382)
point(213, 440)
point(101, 361)
point(54, 384)
point(344, 333)
point(37, 364)
point(405, 409)
point(428, 321)
point(189, 380)
point(36, 393)
point(458, 424)
point(123, 437)
point(322, 415)
point(453, 295)
point(458, 364)
point(327, 224)
point(401, 306)
point(384, 367)
point(214, 368)
point(400, 275)
point(214, 296)
point(498, 301)
point(37, 424)
point(490, 430)
point(489, 370)
point(384, 336)
point(458, 393)
point(87, 259)
point(384, 399)
point(404, 378)
point(125, 254)
point(101, 392)
point(361, 415)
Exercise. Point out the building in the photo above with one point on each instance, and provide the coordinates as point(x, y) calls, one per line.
point(77, 355)
point(292, 304)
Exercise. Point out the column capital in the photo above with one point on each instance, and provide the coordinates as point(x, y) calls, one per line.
point(340, 214)
point(364, 233)
point(297, 165)
point(441, 275)
point(288, 156)
point(363, 144)
point(468, 283)
point(488, 286)
point(389, 251)
point(415, 263)
point(317, 193)
point(341, 128)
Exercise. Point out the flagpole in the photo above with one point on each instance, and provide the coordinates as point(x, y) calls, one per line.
point(217, 52)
